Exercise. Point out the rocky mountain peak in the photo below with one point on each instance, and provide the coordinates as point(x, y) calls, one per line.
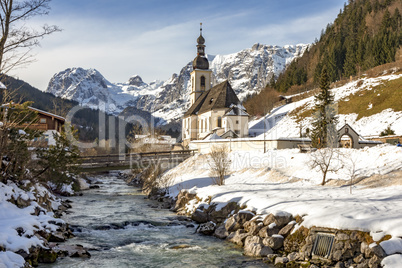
point(136, 81)
point(248, 71)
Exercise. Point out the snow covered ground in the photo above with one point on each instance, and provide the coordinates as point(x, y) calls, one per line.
point(13, 218)
point(279, 124)
point(281, 181)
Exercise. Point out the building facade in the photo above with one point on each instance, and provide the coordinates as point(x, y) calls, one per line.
point(214, 109)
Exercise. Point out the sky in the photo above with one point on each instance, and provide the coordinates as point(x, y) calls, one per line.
point(156, 38)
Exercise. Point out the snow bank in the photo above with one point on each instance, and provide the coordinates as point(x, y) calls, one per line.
point(11, 260)
point(18, 225)
point(281, 181)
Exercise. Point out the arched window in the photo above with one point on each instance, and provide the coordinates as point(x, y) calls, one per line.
point(202, 82)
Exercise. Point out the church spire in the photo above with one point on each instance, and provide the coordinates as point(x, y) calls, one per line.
point(200, 62)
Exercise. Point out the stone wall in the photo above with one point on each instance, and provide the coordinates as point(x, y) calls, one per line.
point(281, 239)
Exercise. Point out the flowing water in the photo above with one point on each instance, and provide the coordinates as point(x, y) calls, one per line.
point(123, 229)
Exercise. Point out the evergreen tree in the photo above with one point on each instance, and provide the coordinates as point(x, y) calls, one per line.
point(324, 126)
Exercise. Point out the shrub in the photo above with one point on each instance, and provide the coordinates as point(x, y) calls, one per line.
point(219, 163)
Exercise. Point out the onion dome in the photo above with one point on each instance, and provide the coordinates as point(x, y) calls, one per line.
point(200, 62)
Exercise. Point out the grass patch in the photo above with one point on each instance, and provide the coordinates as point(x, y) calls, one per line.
point(381, 97)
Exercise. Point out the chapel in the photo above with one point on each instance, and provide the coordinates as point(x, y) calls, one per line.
point(215, 111)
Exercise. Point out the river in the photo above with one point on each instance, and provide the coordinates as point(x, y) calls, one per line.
point(124, 229)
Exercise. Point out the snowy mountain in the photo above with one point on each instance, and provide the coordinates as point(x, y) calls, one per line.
point(248, 71)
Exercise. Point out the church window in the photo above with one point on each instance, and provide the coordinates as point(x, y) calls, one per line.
point(203, 82)
point(237, 122)
point(219, 121)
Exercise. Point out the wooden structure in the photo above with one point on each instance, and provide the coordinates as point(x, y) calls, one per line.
point(135, 160)
point(47, 121)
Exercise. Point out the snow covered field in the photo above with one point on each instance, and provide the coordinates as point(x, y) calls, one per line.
point(281, 181)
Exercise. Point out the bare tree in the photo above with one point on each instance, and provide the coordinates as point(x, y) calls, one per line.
point(325, 160)
point(351, 162)
point(219, 163)
point(17, 38)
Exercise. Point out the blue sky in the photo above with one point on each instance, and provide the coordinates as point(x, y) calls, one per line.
point(156, 38)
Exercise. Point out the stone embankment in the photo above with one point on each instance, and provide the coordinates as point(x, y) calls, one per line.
point(281, 239)
point(276, 239)
point(51, 234)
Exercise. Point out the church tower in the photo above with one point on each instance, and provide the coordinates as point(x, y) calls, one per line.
point(201, 77)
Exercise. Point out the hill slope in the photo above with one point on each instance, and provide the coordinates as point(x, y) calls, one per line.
point(367, 115)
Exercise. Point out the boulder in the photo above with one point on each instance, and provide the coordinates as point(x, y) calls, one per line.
point(199, 216)
point(279, 220)
point(222, 214)
point(266, 231)
point(253, 247)
point(47, 256)
point(285, 231)
point(378, 251)
point(207, 228)
point(294, 256)
point(182, 199)
point(281, 260)
point(238, 220)
point(221, 232)
point(253, 226)
point(275, 242)
point(238, 237)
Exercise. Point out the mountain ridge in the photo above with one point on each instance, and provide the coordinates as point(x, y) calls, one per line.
point(248, 71)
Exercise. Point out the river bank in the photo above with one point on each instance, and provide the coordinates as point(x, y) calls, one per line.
point(260, 199)
point(122, 228)
point(30, 226)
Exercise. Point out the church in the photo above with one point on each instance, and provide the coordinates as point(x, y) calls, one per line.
point(215, 111)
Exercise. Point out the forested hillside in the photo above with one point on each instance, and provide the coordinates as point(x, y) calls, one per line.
point(365, 34)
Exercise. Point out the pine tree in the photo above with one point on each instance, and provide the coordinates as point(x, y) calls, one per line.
point(324, 132)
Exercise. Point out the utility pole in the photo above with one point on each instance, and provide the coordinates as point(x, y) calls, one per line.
point(265, 131)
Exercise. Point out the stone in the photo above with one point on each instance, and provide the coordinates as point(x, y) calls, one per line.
point(374, 262)
point(339, 265)
point(281, 260)
point(269, 219)
point(239, 237)
point(283, 220)
point(207, 228)
point(221, 232)
point(253, 226)
point(378, 251)
point(47, 256)
point(238, 220)
point(285, 231)
point(363, 264)
point(342, 236)
point(266, 231)
point(275, 242)
point(313, 266)
point(293, 256)
point(358, 259)
point(199, 216)
point(182, 199)
point(222, 214)
point(56, 237)
point(271, 257)
point(253, 247)
point(337, 255)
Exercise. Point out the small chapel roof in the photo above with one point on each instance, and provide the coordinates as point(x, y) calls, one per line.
point(220, 96)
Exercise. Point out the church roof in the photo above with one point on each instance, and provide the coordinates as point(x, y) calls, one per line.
point(220, 96)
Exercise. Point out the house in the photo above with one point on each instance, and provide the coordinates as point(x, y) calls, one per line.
point(214, 109)
point(47, 122)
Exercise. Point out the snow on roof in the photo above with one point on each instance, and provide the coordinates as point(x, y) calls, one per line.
point(213, 136)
